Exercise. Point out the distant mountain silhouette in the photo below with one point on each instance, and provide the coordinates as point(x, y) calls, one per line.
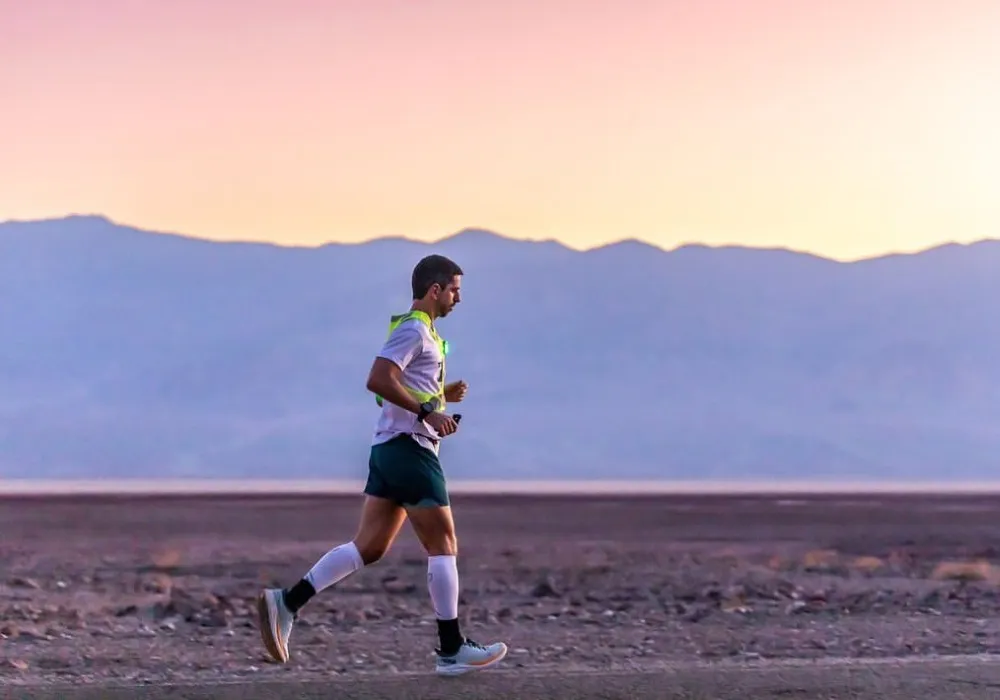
point(131, 353)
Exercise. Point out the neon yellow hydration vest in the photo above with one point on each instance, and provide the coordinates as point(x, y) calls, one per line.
point(421, 396)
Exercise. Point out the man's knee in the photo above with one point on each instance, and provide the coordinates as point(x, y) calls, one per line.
point(445, 543)
point(381, 519)
point(371, 551)
point(373, 543)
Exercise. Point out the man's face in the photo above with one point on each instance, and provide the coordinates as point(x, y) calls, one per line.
point(449, 296)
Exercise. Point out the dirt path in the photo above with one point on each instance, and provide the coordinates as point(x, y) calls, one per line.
point(153, 591)
point(955, 678)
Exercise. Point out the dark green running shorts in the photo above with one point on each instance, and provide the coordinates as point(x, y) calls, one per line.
point(403, 471)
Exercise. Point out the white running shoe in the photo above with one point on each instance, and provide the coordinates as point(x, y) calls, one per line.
point(275, 620)
point(471, 657)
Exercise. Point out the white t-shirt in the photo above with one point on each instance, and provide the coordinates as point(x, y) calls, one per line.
point(415, 351)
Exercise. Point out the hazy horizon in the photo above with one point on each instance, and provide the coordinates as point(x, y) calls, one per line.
point(446, 235)
point(609, 486)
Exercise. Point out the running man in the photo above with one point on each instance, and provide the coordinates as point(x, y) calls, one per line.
point(405, 478)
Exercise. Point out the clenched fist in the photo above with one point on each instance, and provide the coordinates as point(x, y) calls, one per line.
point(455, 392)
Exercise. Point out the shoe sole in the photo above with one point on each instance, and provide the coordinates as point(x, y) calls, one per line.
point(462, 669)
point(266, 614)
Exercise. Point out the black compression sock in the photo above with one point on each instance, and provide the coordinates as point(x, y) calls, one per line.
point(298, 595)
point(450, 636)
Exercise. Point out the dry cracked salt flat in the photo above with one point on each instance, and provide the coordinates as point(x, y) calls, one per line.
point(161, 589)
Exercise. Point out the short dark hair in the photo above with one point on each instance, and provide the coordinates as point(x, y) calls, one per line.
point(430, 270)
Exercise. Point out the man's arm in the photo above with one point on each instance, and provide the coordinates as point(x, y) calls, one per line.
point(385, 376)
point(385, 380)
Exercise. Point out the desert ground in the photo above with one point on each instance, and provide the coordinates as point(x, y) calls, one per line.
point(99, 591)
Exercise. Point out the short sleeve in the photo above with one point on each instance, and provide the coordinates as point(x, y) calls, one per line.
point(404, 344)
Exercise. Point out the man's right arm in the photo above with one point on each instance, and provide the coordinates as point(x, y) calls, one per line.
point(386, 375)
point(385, 379)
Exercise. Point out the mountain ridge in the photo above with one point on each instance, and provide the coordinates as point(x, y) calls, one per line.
point(174, 356)
point(104, 220)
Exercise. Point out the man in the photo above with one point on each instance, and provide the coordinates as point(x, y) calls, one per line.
point(405, 478)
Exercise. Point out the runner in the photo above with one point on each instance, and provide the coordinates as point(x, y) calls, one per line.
point(405, 478)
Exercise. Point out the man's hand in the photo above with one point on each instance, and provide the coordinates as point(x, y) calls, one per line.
point(455, 392)
point(442, 424)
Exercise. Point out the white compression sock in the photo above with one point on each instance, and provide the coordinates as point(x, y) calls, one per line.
point(336, 565)
point(442, 583)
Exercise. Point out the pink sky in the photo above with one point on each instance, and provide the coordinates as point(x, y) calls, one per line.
point(846, 128)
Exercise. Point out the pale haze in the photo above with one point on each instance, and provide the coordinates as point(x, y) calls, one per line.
point(847, 129)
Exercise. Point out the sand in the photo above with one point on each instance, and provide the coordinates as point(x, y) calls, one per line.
point(159, 590)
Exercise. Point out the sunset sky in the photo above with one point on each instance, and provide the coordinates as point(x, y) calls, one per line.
point(847, 128)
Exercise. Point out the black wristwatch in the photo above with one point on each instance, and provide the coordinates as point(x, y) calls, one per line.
point(426, 408)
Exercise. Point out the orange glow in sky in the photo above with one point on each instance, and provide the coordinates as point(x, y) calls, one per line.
point(846, 128)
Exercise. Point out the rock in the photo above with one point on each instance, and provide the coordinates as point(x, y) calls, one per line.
point(769, 590)
point(711, 593)
point(206, 610)
point(27, 583)
point(822, 561)
point(735, 600)
point(481, 615)
point(166, 558)
point(965, 571)
point(351, 616)
point(213, 618)
point(788, 590)
point(857, 602)
point(54, 663)
point(735, 605)
point(154, 583)
point(393, 584)
point(696, 613)
point(33, 634)
point(796, 606)
point(811, 605)
point(545, 589)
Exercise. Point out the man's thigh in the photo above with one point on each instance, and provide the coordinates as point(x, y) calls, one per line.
point(406, 473)
point(434, 526)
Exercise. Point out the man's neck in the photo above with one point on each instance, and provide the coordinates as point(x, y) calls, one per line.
point(421, 306)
